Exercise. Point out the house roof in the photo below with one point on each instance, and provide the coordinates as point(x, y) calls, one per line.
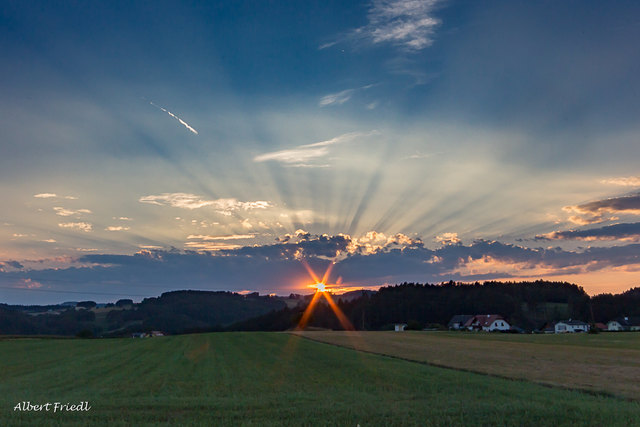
point(484, 320)
point(573, 322)
point(460, 318)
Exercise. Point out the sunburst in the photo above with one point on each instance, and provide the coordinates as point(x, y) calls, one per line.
point(322, 288)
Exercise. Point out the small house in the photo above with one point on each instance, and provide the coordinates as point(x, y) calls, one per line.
point(399, 327)
point(568, 326)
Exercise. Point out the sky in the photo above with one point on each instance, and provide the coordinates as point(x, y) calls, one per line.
point(154, 146)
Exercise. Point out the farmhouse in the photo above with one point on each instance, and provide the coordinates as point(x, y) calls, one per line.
point(624, 324)
point(458, 321)
point(487, 322)
point(570, 325)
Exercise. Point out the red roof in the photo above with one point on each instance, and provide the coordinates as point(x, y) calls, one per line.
point(483, 320)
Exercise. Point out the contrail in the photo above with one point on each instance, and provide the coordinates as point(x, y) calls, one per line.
point(182, 122)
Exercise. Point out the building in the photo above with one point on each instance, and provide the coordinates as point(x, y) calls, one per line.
point(399, 327)
point(568, 326)
point(458, 321)
point(487, 322)
point(624, 324)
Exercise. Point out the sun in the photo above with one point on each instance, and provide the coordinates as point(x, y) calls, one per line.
point(320, 287)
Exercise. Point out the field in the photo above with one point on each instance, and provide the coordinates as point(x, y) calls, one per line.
point(606, 362)
point(271, 379)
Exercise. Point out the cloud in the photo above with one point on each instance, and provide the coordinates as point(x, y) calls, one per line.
point(629, 181)
point(611, 232)
point(306, 155)
point(49, 241)
point(192, 201)
point(116, 228)
point(448, 239)
point(593, 212)
point(9, 265)
point(341, 97)
point(83, 226)
point(227, 237)
point(372, 259)
point(69, 212)
point(409, 24)
point(336, 98)
point(52, 196)
point(182, 122)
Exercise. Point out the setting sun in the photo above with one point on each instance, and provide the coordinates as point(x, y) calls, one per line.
point(320, 286)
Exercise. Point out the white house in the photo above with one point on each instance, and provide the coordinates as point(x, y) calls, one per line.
point(488, 322)
point(624, 324)
point(570, 325)
point(399, 327)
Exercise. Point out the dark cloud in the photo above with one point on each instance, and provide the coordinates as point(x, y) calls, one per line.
point(616, 204)
point(12, 264)
point(628, 231)
point(277, 268)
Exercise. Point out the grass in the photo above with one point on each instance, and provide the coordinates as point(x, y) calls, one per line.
point(607, 363)
point(266, 379)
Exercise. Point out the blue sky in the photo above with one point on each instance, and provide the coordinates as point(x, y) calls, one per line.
point(168, 145)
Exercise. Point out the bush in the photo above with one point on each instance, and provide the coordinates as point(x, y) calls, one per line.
point(414, 325)
point(85, 333)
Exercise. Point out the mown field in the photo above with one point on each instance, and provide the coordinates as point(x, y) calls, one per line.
point(266, 379)
point(606, 362)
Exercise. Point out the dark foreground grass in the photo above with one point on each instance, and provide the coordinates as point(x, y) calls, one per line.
point(266, 379)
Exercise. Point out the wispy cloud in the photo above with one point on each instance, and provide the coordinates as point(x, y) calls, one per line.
point(227, 237)
point(594, 212)
point(406, 23)
point(626, 181)
point(70, 212)
point(610, 232)
point(336, 98)
point(193, 201)
point(82, 226)
point(341, 97)
point(53, 196)
point(306, 155)
point(182, 122)
point(116, 228)
point(209, 246)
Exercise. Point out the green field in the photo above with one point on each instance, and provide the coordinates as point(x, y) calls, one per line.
point(271, 379)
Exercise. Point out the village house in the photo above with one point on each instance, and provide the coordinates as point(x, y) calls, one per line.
point(487, 322)
point(565, 326)
point(624, 324)
point(399, 327)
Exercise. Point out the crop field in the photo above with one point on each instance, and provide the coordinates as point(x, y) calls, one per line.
point(606, 362)
point(266, 379)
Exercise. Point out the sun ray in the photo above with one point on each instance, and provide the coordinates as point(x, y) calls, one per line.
point(308, 311)
point(346, 324)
